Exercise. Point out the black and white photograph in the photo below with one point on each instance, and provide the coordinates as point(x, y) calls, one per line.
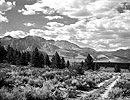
point(64, 49)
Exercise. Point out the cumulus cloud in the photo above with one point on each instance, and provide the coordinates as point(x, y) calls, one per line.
point(54, 24)
point(48, 34)
point(16, 34)
point(5, 6)
point(75, 8)
point(29, 24)
point(100, 6)
point(123, 7)
point(42, 33)
point(99, 25)
point(114, 45)
point(72, 8)
point(106, 33)
point(36, 8)
point(3, 19)
point(37, 32)
point(21, 3)
point(53, 17)
point(27, 12)
point(66, 7)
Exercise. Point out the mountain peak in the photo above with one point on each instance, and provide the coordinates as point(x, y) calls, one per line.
point(8, 37)
point(66, 45)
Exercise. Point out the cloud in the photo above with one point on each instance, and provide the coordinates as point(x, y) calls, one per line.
point(114, 45)
point(36, 8)
point(21, 3)
point(53, 17)
point(26, 12)
point(48, 34)
point(94, 23)
point(3, 19)
point(5, 6)
point(42, 33)
point(29, 24)
point(71, 8)
point(52, 25)
point(36, 32)
point(63, 37)
point(123, 7)
point(75, 8)
point(106, 33)
point(16, 34)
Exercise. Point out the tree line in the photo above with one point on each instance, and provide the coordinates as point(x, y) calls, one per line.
point(35, 58)
point(38, 59)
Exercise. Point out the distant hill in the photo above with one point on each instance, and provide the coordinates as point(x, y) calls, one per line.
point(64, 48)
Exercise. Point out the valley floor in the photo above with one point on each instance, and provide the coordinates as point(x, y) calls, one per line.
point(28, 83)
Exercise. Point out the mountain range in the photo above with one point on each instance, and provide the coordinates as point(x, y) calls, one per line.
point(65, 48)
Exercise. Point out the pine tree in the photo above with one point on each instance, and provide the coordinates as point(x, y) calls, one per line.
point(62, 62)
point(68, 64)
point(47, 60)
point(96, 67)
point(3, 53)
point(82, 64)
point(28, 55)
point(37, 58)
point(14, 57)
point(41, 60)
point(10, 55)
point(89, 62)
point(18, 58)
point(56, 61)
point(24, 59)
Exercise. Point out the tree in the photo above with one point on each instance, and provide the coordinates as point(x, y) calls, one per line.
point(68, 64)
point(14, 56)
point(47, 60)
point(129, 68)
point(35, 58)
point(41, 60)
point(62, 62)
point(28, 56)
point(89, 62)
point(117, 69)
point(82, 64)
point(56, 61)
point(18, 58)
point(79, 69)
point(10, 55)
point(24, 59)
point(3, 53)
point(96, 67)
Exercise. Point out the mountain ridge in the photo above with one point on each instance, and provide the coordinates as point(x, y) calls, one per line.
point(64, 48)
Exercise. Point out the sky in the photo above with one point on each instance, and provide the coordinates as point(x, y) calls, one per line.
point(103, 25)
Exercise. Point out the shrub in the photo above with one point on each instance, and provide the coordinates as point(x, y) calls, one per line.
point(76, 69)
point(117, 68)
